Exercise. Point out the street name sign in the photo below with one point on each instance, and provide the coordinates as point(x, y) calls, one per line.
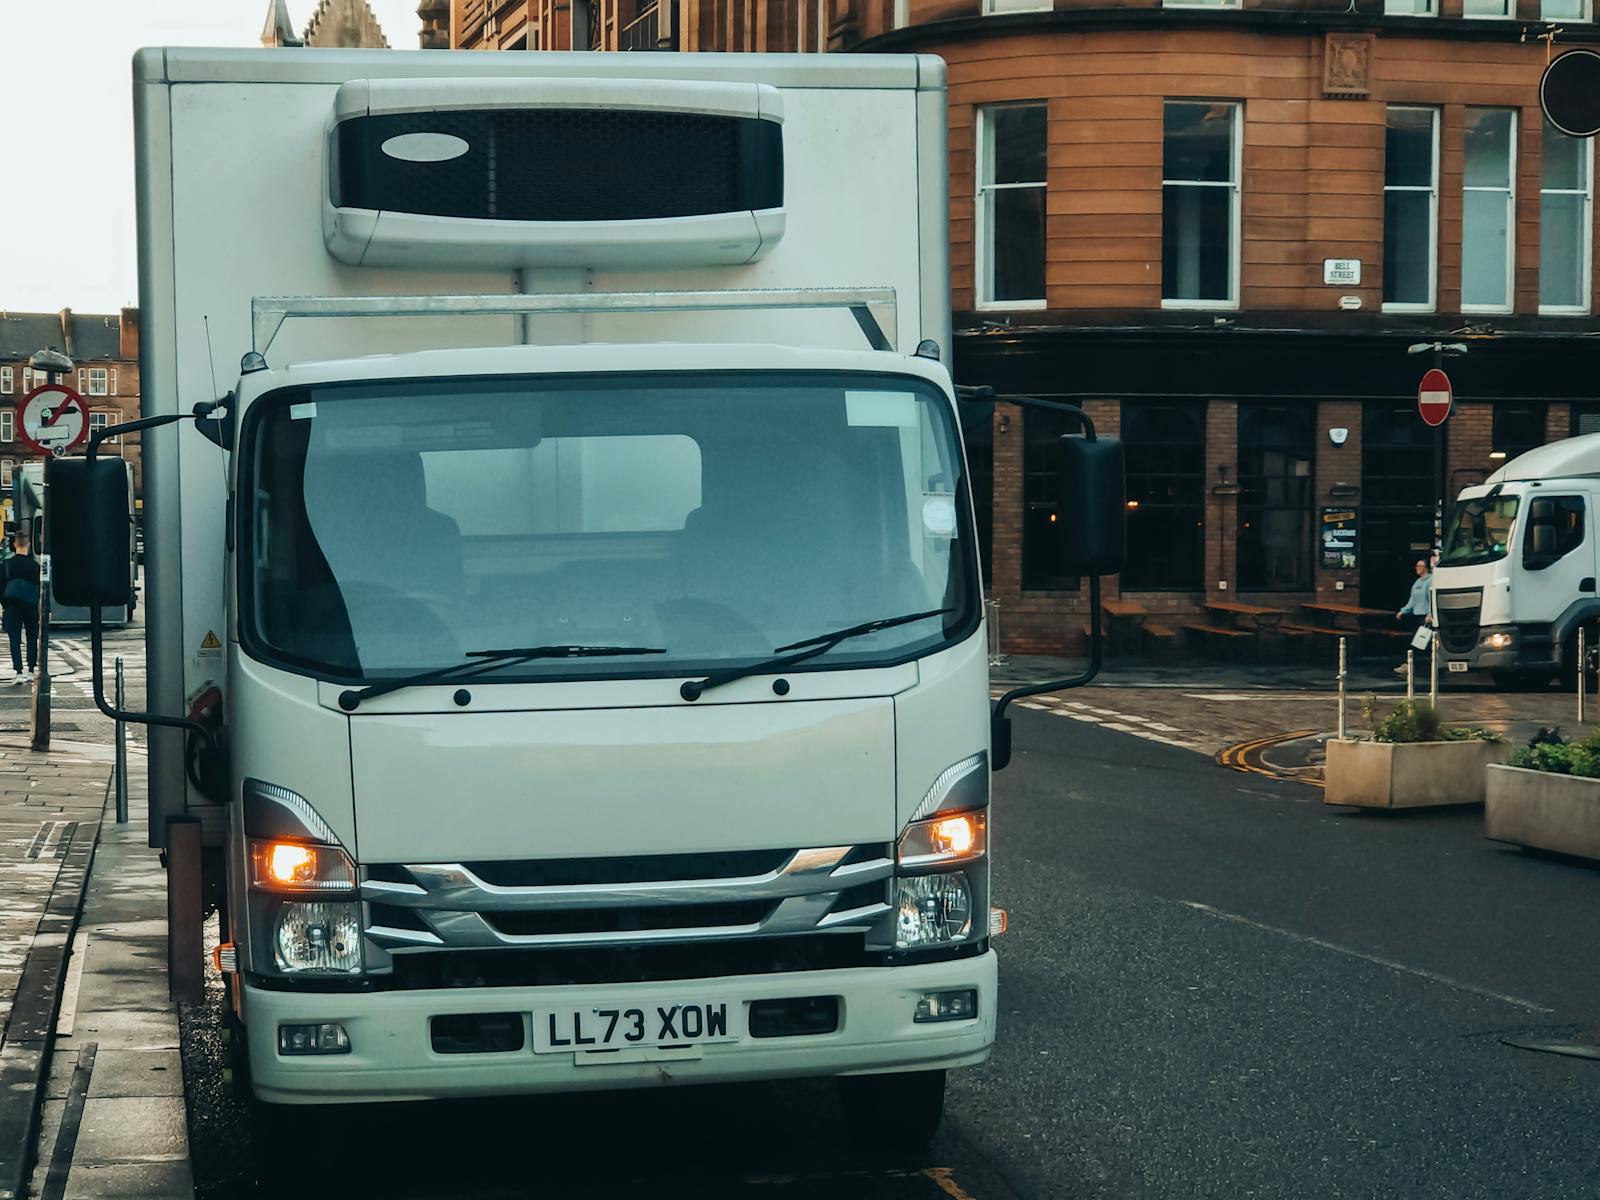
point(1435, 397)
point(53, 419)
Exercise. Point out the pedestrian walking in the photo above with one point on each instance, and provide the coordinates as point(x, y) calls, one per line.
point(1415, 613)
point(19, 600)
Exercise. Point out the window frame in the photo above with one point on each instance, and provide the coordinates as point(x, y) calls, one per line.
point(7, 472)
point(1585, 18)
point(7, 380)
point(1139, 473)
point(112, 417)
point(1586, 257)
point(1433, 11)
point(1510, 191)
point(1432, 303)
point(1051, 424)
point(982, 222)
point(1307, 581)
point(8, 425)
point(1235, 186)
point(1509, 13)
point(104, 381)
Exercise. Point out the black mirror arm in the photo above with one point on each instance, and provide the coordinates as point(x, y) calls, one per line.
point(985, 392)
point(1000, 724)
point(96, 623)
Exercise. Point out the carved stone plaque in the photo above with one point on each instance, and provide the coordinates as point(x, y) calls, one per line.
point(1347, 64)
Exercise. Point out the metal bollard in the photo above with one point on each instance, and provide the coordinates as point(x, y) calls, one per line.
point(122, 753)
point(1411, 674)
point(1433, 672)
point(1341, 688)
point(997, 656)
point(1583, 670)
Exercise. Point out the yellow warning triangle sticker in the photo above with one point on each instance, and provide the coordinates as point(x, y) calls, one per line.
point(209, 642)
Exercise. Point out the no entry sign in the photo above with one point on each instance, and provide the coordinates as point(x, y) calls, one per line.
point(53, 419)
point(1434, 397)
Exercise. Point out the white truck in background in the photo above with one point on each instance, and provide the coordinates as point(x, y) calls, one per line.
point(566, 638)
point(1516, 577)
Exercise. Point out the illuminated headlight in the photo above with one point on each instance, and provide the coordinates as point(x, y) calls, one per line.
point(1498, 641)
point(956, 837)
point(280, 866)
point(932, 910)
point(322, 938)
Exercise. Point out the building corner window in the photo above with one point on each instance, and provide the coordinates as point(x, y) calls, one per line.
point(1010, 236)
point(1200, 204)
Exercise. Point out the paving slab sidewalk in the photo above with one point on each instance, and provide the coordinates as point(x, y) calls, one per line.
point(91, 1093)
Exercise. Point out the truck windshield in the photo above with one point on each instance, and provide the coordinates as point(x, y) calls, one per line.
point(393, 528)
point(1479, 530)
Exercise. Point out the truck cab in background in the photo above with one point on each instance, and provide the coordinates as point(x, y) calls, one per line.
point(1516, 578)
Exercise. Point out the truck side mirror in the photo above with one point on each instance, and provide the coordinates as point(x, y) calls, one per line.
point(88, 523)
point(1092, 496)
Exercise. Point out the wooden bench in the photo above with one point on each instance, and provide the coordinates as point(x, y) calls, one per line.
point(1226, 637)
point(1323, 631)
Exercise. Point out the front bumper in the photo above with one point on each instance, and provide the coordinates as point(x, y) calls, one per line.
point(392, 1057)
point(1522, 653)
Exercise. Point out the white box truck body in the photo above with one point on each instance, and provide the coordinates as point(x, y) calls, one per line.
point(665, 810)
point(1516, 577)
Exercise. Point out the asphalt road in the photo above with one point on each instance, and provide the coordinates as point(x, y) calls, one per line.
point(1212, 987)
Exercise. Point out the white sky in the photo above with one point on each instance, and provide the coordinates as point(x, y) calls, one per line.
point(66, 122)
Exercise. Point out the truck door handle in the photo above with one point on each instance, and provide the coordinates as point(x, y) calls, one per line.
point(1586, 585)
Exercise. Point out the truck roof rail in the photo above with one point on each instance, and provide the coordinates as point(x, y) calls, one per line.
point(268, 313)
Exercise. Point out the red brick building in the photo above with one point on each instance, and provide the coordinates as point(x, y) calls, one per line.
point(1221, 227)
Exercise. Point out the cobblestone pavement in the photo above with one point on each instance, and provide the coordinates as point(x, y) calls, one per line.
point(1208, 709)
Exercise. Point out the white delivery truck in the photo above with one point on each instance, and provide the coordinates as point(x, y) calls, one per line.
point(1516, 578)
point(566, 629)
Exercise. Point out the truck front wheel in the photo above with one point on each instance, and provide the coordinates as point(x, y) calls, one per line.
point(894, 1112)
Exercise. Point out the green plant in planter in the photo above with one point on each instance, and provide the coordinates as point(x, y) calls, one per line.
point(1418, 721)
point(1548, 751)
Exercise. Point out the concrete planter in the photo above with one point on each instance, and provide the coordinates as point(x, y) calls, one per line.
point(1408, 774)
point(1549, 812)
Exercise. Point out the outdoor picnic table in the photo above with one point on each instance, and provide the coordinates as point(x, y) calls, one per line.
point(1335, 609)
point(1261, 616)
point(1127, 618)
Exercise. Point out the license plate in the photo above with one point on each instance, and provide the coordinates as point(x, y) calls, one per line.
point(620, 1027)
point(1459, 667)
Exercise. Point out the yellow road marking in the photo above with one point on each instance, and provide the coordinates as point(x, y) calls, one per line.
point(942, 1179)
point(1235, 757)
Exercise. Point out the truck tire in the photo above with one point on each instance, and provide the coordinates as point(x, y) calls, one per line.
point(895, 1112)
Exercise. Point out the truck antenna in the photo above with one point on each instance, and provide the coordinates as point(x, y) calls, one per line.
point(211, 357)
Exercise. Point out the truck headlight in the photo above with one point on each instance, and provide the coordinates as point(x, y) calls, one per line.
point(952, 838)
point(1498, 641)
point(283, 866)
point(320, 938)
point(932, 910)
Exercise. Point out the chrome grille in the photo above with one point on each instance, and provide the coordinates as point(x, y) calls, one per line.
point(1458, 618)
point(621, 903)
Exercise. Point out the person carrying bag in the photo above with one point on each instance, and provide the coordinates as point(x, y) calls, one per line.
point(19, 601)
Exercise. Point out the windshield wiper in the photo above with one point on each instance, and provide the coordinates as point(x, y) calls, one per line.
point(351, 698)
point(693, 689)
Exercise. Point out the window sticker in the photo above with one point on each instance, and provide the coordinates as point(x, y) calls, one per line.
point(891, 410)
point(304, 411)
point(939, 515)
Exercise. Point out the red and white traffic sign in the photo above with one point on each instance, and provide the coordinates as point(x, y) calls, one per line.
point(53, 419)
point(1434, 397)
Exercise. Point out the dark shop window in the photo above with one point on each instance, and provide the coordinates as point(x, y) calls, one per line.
point(1042, 531)
point(979, 440)
point(1518, 428)
point(1166, 458)
point(1275, 498)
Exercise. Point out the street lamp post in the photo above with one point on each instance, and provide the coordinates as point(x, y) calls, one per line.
point(58, 364)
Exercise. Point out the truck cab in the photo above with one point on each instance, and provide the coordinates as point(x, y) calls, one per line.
point(1516, 576)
